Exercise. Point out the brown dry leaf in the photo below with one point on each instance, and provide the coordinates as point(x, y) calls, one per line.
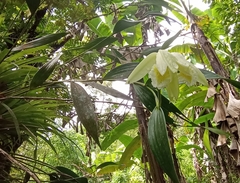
point(222, 139)
point(237, 121)
point(232, 124)
point(219, 106)
point(233, 107)
point(210, 93)
point(234, 144)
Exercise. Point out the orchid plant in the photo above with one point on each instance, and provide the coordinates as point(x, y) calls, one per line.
point(167, 70)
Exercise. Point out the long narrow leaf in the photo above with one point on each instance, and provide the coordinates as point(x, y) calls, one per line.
point(40, 42)
point(121, 72)
point(33, 5)
point(46, 70)
point(167, 43)
point(124, 24)
point(159, 143)
point(109, 91)
point(117, 132)
point(128, 153)
point(15, 120)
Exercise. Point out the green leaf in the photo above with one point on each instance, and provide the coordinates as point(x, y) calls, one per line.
point(159, 144)
point(204, 118)
point(124, 24)
point(187, 147)
point(121, 72)
point(183, 48)
point(146, 96)
point(217, 131)
point(108, 169)
point(44, 72)
point(109, 91)
point(106, 164)
point(14, 118)
point(99, 27)
point(69, 176)
point(168, 42)
point(33, 5)
point(211, 75)
point(128, 152)
point(196, 99)
point(85, 110)
point(125, 139)
point(66, 171)
point(148, 99)
point(40, 42)
point(206, 141)
point(150, 50)
point(117, 132)
point(3, 54)
point(99, 43)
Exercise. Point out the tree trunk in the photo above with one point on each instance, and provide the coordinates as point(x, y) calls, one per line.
point(226, 161)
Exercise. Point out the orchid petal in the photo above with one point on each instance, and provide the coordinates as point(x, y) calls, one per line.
point(142, 68)
point(173, 88)
point(166, 60)
point(160, 81)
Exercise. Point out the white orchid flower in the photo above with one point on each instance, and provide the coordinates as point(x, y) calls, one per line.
point(188, 73)
point(167, 70)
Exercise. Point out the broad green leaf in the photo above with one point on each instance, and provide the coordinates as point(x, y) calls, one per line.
point(168, 42)
point(204, 118)
point(99, 43)
point(40, 42)
point(196, 99)
point(121, 72)
point(128, 152)
point(85, 110)
point(99, 27)
point(33, 5)
point(133, 35)
point(109, 91)
point(108, 169)
point(211, 75)
point(147, 98)
point(183, 48)
point(159, 144)
point(69, 176)
point(150, 50)
point(180, 17)
point(217, 131)
point(233, 82)
point(206, 141)
point(66, 171)
point(106, 164)
point(190, 146)
point(125, 139)
point(117, 132)
point(3, 54)
point(118, 54)
point(44, 72)
point(124, 24)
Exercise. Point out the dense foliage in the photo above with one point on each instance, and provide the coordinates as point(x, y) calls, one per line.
point(61, 120)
